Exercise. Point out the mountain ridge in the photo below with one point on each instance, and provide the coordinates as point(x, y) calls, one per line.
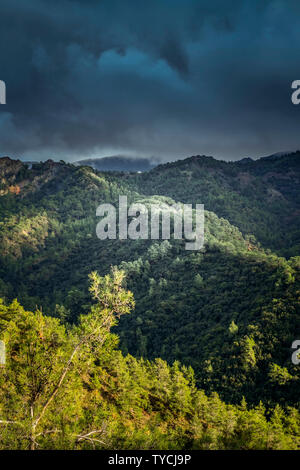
point(230, 310)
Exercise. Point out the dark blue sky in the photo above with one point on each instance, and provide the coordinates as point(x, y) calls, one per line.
point(163, 78)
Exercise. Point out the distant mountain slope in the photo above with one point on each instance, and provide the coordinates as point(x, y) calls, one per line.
point(118, 163)
point(261, 197)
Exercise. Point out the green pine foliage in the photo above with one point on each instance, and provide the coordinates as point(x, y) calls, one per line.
point(68, 387)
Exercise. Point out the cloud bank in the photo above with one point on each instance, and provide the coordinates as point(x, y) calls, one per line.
point(168, 78)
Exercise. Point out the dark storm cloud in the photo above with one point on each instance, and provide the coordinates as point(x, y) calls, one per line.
point(168, 78)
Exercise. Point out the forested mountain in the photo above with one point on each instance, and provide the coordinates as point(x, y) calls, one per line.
point(230, 310)
point(260, 197)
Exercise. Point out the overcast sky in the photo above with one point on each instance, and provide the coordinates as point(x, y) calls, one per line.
point(162, 78)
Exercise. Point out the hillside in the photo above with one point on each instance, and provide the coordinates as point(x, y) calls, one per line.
point(260, 197)
point(230, 311)
point(68, 387)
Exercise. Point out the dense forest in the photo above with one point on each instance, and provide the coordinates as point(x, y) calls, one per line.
point(202, 361)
